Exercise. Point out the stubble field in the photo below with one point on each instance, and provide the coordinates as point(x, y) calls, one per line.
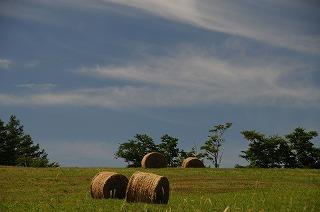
point(204, 189)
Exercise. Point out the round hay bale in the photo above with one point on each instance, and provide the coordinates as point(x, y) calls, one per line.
point(148, 188)
point(108, 185)
point(153, 160)
point(192, 162)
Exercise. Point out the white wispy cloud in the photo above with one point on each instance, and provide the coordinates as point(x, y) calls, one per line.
point(290, 24)
point(183, 80)
point(274, 22)
point(32, 63)
point(5, 63)
point(38, 86)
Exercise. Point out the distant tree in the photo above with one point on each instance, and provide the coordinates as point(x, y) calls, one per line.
point(266, 152)
point(168, 147)
point(306, 155)
point(213, 145)
point(18, 149)
point(134, 150)
point(3, 147)
point(13, 136)
point(293, 150)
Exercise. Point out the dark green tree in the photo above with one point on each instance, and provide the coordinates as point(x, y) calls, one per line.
point(168, 147)
point(14, 135)
point(17, 148)
point(306, 155)
point(292, 151)
point(213, 145)
point(266, 152)
point(3, 134)
point(134, 150)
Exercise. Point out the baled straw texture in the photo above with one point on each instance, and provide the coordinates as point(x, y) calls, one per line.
point(108, 185)
point(148, 188)
point(153, 160)
point(192, 162)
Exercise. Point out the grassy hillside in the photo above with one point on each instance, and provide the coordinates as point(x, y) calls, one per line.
point(190, 190)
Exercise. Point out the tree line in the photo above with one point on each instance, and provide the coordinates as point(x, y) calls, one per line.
point(18, 149)
point(294, 150)
point(134, 150)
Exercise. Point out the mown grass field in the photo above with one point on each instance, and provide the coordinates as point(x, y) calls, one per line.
point(67, 189)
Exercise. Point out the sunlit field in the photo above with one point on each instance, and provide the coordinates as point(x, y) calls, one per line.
point(204, 189)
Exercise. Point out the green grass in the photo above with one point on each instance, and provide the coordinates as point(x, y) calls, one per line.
point(67, 189)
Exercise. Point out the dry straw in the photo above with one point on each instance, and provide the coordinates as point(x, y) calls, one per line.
point(148, 188)
point(192, 162)
point(108, 185)
point(153, 160)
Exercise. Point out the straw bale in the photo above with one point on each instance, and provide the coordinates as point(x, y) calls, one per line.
point(108, 185)
point(192, 162)
point(153, 160)
point(148, 188)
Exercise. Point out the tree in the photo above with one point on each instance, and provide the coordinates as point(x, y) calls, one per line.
point(2, 143)
point(134, 150)
point(306, 155)
point(18, 149)
point(293, 150)
point(14, 134)
point(168, 147)
point(266, 152)
point(213, 145)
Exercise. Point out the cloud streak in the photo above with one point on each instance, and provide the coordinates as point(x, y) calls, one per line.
point(273, 22)
point(184, 80)
point(291, 24)
point(5, 63)
point(38, 86)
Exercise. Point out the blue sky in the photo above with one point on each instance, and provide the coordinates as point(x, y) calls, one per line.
point(84, 76)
